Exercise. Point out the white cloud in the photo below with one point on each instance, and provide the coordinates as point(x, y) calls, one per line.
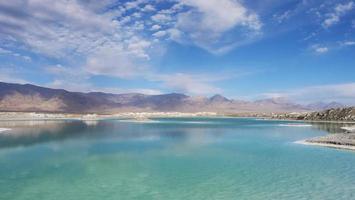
point(348, 43)
point(331, 20)
point(343, 8)
point(280, 18)
point(88, 87)
point(207, 21)
point(159, 34)
point(148, 8)
point(10, 75)
point(9, 52)
point(61, 71)
point(344, 93)
point(155, 27)
point(110, 63)
point(136, 15)
point(319, 49)
point(222, 15)
point(339, 10)
point(161, 18)
point(67, 28)
point(133, 4)
point(175, 34)
point(55, 28)
point(194, 84)
point(64, 77)
point(4, 51)
point(188, 83)
point(322, 49)
point(93, 40)
point(27, 58)
point(78, 80)
point(132, 90)
point(70, 29)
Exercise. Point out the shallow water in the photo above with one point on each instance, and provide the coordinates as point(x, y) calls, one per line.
point(176, 158)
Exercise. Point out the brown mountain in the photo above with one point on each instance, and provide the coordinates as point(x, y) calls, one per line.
point(17, 97)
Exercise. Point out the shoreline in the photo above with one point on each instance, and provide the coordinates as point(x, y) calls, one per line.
point(23, 116)
point(139, 116)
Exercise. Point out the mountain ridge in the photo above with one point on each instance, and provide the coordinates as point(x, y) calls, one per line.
point(32, 98)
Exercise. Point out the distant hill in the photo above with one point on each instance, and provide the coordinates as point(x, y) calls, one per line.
point(318, 106)
point(31, 98)
point(218, 99)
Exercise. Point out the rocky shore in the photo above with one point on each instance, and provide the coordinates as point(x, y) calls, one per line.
point(340, 137)
point(345, 139)
point(336, 114)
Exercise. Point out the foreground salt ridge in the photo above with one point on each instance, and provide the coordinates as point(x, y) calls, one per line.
point(339, 140)
point(296, 125)
point(336, 146)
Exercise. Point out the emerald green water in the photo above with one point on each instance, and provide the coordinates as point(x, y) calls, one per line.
point(186, 158)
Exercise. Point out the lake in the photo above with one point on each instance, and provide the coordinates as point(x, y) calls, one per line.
point(172, 158)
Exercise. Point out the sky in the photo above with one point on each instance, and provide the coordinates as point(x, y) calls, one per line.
point(303, 50)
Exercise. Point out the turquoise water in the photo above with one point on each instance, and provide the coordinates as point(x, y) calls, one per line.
point(185, 158)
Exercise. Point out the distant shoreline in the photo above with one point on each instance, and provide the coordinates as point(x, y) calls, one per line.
point(14, 116)
point(141, 116)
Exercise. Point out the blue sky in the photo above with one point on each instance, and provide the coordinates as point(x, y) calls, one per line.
point(301, 50)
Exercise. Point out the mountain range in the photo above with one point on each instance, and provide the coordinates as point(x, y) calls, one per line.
point(32, 98)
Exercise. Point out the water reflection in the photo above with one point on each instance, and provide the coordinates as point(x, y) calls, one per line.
point(186, 136)
point(330, 127)
point(24, 133)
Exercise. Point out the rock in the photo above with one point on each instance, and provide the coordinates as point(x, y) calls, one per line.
point(336, 114)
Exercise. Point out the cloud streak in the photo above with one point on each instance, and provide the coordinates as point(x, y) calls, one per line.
point(319, 49)
point(339, 10)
